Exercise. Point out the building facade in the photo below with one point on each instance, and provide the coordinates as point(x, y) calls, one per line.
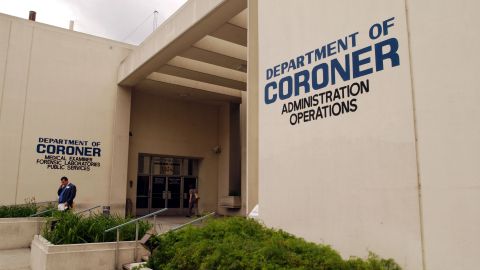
point(351, 123)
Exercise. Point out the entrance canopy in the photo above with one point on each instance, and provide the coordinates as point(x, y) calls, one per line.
point(199, 53)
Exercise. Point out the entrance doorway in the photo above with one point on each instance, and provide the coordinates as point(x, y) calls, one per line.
point(164, 182)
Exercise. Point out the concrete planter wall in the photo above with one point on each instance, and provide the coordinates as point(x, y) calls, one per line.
point(99, 256)
point(231, 202)
point(18, 233)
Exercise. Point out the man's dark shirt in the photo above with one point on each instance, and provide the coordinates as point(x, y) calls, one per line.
point(68, 195)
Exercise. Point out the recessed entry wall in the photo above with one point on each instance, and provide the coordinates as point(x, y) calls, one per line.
point(184, 130)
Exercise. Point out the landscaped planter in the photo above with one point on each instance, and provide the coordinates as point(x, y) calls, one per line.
point(18, 233)
point(44, 255)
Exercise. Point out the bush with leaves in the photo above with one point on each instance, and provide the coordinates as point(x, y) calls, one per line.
point(239, 243)
point(69, 228)
point(12, 211)
point(373, 262)
point(27, 209)
point(20, 210)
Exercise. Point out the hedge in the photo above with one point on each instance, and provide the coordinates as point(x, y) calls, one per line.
point(70, 228)
point(239, 243)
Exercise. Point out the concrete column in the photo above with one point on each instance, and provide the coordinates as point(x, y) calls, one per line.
point(12, 104)
point(252, 106)
point(118, 175)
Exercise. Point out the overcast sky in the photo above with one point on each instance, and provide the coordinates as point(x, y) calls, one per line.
point(123, 20)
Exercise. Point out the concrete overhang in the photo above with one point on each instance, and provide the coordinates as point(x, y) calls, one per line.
point(203, 46)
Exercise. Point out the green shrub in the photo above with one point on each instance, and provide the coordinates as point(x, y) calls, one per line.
point(17, 211)
point(239, 243)
point(21, 210)
point(373, 262)
point(70, 228)
point(27, 209)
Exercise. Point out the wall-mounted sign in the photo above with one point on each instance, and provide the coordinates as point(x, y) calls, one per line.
point(68, 154)
point(327, 81)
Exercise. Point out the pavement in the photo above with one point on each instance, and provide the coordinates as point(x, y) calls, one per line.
point(165, 223)
point(15, 259)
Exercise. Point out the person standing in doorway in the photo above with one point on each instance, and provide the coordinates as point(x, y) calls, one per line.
point(66, 194)
point(192, 201)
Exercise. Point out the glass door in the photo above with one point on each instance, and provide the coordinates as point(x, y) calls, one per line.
point(164, 182)
point(159, 193)
point(174, 184)
point(143, 194)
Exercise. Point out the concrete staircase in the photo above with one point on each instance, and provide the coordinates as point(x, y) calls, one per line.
point(166, 224)
point(130, 266)
point(15, 259)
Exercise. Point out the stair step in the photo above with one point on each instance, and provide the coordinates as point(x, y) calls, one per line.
point(129, 266)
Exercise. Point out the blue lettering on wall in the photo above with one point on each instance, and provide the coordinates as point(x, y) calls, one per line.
point(68, 154)
point(53, 149)
point(357, 63)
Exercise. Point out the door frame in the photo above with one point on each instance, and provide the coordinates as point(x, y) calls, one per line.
point(182, 209)
point(166, 194)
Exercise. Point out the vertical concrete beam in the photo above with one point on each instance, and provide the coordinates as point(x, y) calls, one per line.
point(446, 114)
point(252, 106)
point(118, 175)
point(5, 29)
point(12, 104)
point(243, 152)
point(224, 156)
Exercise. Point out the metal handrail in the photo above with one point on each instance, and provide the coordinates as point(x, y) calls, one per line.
point(191, 222)
point(43, 212)
point(154, 214)
point(89, 210)
point(137, 219)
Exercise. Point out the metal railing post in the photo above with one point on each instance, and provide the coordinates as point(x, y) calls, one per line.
point(137, 231)
point(191, 222)
point(136, 241)
point(41, 213)
point(117, 249)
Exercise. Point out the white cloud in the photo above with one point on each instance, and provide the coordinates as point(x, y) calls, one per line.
point(114, 19)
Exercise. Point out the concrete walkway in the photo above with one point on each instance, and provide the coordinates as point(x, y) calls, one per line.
point(15, 259)
point(165, 223)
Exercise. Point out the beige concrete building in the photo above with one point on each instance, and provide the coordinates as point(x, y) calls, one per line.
point(350, 123)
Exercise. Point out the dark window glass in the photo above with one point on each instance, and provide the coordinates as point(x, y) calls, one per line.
point(174, 192)
point(158, 192)
point(142, 202)
point(142, 185)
